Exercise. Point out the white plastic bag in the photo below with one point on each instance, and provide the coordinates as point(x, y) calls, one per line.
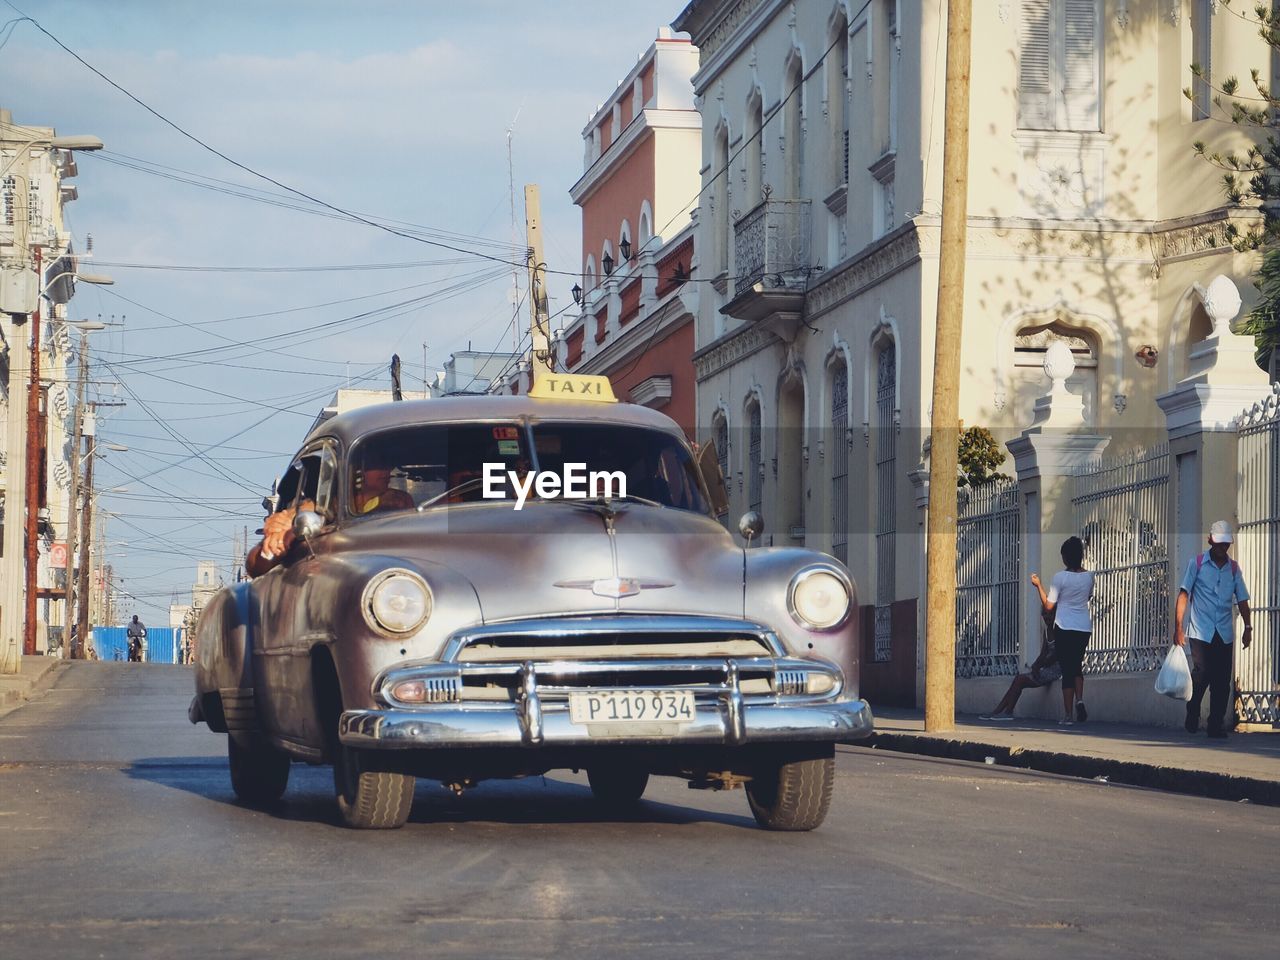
point(1174, 678)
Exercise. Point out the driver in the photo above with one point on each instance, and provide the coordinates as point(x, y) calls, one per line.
point(277, 538)
point(373, 492)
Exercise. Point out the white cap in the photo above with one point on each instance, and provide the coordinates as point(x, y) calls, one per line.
point(1220, 532)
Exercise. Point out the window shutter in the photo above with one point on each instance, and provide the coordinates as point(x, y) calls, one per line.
point(1080, 92)
point(1035, 87)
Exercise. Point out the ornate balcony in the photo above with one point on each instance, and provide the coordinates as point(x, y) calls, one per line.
point(771, 263)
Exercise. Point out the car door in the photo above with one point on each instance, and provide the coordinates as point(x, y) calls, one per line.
point(290, 624)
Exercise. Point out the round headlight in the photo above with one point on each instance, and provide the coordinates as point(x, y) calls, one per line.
point(819, 599)
point(397, 601)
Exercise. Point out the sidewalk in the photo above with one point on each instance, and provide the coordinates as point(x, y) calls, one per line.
point(15, 688)
point(1244, 767)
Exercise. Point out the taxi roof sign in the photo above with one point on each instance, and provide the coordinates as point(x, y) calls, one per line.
point(572, 386)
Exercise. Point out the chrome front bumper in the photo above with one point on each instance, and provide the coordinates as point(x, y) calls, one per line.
point(516, 725)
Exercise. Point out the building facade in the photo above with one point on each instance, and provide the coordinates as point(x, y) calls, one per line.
point(34, 187)
point(637, 193)
point(1092, 224)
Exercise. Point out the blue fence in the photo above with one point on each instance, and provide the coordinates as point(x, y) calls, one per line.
point(163, 643)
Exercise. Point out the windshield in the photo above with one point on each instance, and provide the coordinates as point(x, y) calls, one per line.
point(657, 466)
point(409, 467)
point(433, 465)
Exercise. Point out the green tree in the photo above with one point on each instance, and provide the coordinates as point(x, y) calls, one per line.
point(1251, 177)
point(979, 456)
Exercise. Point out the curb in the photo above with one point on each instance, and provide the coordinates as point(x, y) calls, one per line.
point(16, 689)
point(1197, 783)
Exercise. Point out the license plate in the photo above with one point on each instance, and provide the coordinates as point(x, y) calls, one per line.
point(632, 706)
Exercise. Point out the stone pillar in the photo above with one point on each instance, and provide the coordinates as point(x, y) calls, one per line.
point(1046, 455)
point(1200, 414)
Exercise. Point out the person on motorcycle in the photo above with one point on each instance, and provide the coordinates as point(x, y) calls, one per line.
point(137, 632)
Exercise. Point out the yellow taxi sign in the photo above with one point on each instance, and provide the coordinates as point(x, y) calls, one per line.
point(572, 386)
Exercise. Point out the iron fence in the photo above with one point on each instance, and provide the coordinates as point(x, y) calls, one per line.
point(771, 240)
point(1120, 508)
point(1257, 669)
point(988, 579)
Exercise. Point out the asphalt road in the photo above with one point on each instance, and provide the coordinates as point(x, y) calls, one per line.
point(120, 837)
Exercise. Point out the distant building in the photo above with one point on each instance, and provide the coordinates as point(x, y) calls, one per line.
point(637, 192)
point(350, 398)
point(471, 371)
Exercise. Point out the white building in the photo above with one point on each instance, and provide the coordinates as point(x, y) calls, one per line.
point(1092, 223)
point(27, 225)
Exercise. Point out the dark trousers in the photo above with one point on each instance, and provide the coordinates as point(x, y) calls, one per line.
point(1210, 667)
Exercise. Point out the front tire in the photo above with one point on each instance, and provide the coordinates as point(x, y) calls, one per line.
point(617, 787)
point(259, 772)
point(792, 795)
point(370, 799)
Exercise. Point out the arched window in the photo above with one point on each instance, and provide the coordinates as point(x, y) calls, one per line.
point(1030, 382)
point(720, 199)
point(839, 459)
point(793, 166)
point(589, 275)
point(754, 151)
point(755, 459)
point(646, 226)
point(886, 453)
point(720, 436)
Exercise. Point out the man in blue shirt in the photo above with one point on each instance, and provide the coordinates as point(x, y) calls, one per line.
point(1211, 584)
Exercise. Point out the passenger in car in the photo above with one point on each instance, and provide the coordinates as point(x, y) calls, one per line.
point(374, 492)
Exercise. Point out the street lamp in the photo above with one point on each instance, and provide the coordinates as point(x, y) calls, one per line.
point(577, 294)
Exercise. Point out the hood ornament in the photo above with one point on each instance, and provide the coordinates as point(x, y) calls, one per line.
point(615, 588)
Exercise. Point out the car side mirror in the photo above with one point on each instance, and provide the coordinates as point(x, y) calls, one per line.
point(307, 524)
point(751, 526)
point(709, 467)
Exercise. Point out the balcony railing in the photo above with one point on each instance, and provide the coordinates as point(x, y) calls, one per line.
point(771, 240)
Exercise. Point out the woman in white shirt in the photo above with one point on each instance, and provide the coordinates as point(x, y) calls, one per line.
point(1068, 600)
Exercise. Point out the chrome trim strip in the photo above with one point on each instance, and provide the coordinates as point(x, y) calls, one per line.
point(500, 725)
point(609, 625)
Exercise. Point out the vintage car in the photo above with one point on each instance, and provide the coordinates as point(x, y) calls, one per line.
point(449, 629)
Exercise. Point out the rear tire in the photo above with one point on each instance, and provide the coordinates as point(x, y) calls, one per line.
point(616, 786)
point(259, 772)
point(370, 799)
point(792, 795)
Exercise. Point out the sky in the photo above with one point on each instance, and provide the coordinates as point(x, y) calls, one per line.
point(398, 110)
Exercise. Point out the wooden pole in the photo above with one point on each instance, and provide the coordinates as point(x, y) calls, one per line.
point(940, 629)
point(34, 478)
point(541, 360)
point(75, 647)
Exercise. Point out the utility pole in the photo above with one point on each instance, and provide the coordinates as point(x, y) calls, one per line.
point(35, 447)
point(543, 362)
point(75, 647)
point(940, 630)
point(86, 530)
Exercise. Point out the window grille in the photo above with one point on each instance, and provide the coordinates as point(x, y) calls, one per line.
point(886, 524)
point(839, 463)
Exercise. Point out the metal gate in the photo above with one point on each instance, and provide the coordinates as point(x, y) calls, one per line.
point(988, 579)
point(1120, 509)
point(1257, 669)
point(886, 501)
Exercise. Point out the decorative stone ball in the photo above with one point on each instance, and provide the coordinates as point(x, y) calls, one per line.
point(1059, 364)
point(1222, 300)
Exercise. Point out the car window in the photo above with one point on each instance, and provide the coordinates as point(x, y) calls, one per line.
point(287, 488)
point(408, 467)
point(656, 464)
point(327, 484)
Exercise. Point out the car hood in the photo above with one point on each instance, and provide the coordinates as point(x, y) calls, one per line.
point(561, 557)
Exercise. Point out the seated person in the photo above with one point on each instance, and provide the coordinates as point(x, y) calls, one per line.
point(1040, 674)
point(373, 492)
point(277, 539)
